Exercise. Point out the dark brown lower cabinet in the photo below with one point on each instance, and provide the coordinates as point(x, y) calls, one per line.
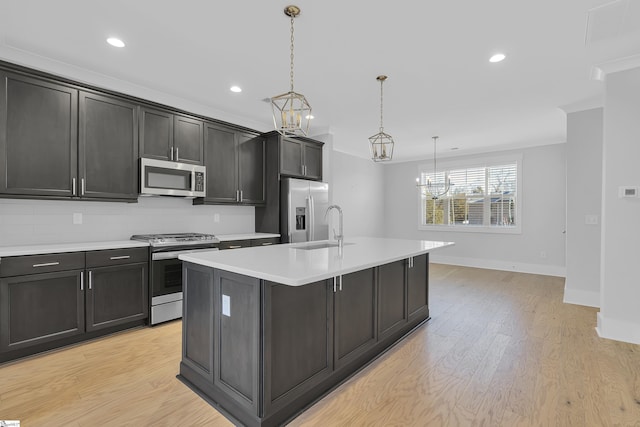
point(355, 315)
point(263, 351)
point(40, 308)
point(78, 295)
point(116, 294)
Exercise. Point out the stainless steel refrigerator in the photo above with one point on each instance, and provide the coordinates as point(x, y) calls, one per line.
point(303, 205)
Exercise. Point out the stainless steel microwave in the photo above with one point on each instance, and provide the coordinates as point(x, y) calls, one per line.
point(164, 178)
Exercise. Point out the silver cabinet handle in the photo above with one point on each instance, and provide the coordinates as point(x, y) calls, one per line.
point(235, 246)
point(171, 153)
point(267, 243)
point(46, 264)
point(340, 283)
point(82, 281)
point(240, 195)
point(113, 258)
point(73, 186)
point(90, 280)
point(177, 154)
point(82, 187)
point(237, 195)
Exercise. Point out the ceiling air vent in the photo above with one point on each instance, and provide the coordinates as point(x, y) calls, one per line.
point(612, 20)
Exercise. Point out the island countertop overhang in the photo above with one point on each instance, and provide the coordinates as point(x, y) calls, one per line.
point(293, 265)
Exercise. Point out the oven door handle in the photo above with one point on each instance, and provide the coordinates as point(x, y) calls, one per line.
point(174, 254)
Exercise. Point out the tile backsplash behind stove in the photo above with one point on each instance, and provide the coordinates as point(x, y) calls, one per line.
point(24, 222)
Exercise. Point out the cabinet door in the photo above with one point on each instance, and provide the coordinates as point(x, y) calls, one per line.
point(116, 295)
point(392, 311)
point(108, 147)
point(418, 288)
point(40, 308)
point(298, 340)
point(237, 338)
point(313, 160)
point(220, 159)
point(156, 134)
point(187, 140)
point(355, 316)
point(291, 157)
point(38, 137)
point(251, 172)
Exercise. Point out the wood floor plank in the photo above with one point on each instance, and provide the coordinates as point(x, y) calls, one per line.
point(502, 349)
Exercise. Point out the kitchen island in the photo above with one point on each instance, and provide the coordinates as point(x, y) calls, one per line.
point(268, 331)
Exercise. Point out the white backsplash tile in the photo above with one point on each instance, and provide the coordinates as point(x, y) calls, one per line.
point(51, 221)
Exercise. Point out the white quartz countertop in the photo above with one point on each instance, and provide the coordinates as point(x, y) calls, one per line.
point(245, 236)
point(292, 265)
point(69, 247)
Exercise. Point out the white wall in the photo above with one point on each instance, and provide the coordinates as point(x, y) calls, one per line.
point(543, 216)
point(44, 221)
point(358, 187)
point(584, 189)
point(619, 316)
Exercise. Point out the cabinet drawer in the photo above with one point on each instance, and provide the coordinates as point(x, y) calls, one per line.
point(117, 257)
point(32, 264)
point(265, 242)
point(234, 244)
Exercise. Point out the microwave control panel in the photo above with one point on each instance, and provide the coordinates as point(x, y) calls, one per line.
point(199, 181)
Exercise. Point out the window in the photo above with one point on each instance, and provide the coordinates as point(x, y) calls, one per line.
point(478, 199)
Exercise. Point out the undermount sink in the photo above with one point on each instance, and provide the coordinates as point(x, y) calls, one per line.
point(323, 245)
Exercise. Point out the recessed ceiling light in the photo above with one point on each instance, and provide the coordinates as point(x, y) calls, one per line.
point(309, 117)
point(236, 89)
point(497, 57)
point(114, 41)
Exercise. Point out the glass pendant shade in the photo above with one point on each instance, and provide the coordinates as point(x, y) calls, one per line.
point(291, 114)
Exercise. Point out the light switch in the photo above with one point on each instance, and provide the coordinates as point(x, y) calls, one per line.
point(77, 218)
point(216, 217)
point(226, 305)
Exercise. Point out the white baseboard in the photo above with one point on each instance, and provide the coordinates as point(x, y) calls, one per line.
point(546, 270)
point(580, 297)
point(619, 330)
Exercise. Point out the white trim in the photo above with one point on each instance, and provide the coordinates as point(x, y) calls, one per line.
point(619, 330)
point(445, 228)
point(494, 264)
point(580, 297)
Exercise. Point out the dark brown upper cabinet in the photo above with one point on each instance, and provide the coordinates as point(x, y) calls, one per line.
point(108, 147)
point(168, 136)
point(301, 158)
point(235, 163)
point(38, 137)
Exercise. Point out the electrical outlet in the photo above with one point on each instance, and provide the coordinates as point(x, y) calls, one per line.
point(226, 305)
point(216, 217)
point(591, 219)
point(77, 218)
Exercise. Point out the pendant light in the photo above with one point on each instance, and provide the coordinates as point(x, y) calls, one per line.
point(291, 110)
point(434, 190)
point(381, 143)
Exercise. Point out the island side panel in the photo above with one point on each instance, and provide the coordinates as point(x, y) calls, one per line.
point(418, 289)
point(392, 298)
point(298, 341)
point(197, 320)
point(237, 338)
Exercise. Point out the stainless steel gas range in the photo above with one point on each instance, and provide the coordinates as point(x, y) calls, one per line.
point(166, 269)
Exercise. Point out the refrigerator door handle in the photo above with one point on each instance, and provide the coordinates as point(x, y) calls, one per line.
point(312, 213)
point(309, 218)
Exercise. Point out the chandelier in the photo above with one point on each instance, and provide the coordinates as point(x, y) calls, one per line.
point(291, 110)
point(434, 190)
point(381, 143)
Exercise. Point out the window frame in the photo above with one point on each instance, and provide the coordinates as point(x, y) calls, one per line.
point(448, 165)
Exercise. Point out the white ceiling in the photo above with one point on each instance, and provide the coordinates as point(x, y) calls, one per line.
point(435, 54)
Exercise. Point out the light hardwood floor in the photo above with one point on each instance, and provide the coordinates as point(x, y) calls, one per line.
point(501, 350)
